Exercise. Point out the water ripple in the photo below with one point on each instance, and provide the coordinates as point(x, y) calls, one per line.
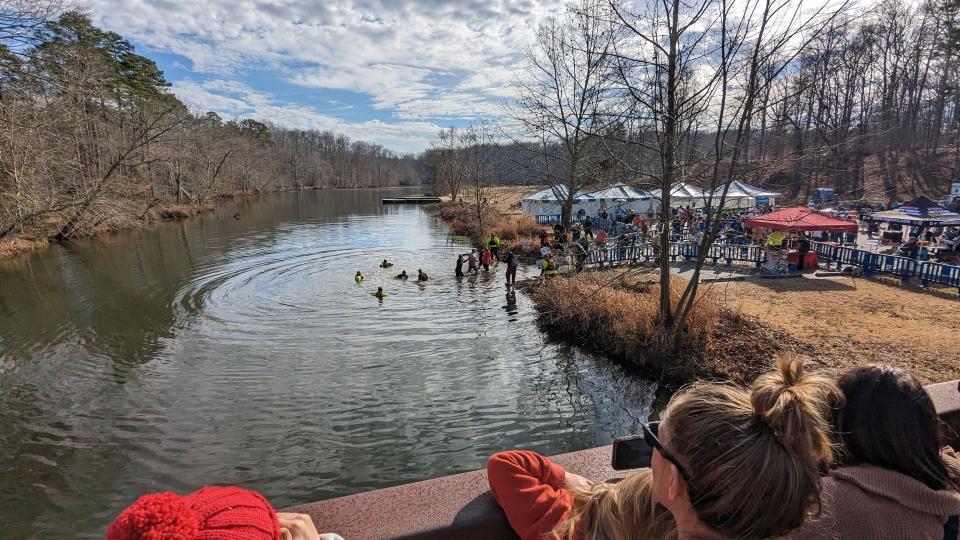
point(226, 351)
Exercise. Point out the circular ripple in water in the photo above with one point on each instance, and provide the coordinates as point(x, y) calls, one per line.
point(256, 359)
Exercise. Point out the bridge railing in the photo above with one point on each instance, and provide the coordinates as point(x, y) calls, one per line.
point(461, 507)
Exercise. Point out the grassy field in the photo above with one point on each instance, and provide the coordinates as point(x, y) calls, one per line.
point(838, 322)
point(844, 322)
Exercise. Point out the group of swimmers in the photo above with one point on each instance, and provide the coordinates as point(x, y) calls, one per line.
point(380, 293)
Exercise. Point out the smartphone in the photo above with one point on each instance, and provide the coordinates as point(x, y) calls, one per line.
point(631, 452)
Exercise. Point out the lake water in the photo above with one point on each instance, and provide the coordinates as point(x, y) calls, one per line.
point(241, 351)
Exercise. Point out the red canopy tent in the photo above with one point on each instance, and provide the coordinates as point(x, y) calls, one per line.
point(801, 218)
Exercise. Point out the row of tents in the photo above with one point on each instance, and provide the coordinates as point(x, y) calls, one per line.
point(920, 213)
point(739, 195)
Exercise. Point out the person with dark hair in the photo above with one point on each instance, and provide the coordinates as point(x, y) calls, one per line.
point(512, 264)
point(803, 247)
point(910, 249)
point(894, 478)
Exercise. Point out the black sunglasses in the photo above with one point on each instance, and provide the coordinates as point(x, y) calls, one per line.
point(650, 432)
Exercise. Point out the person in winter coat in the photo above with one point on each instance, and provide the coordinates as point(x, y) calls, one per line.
point(894, 479)
point(545, 502)
point(486, 258)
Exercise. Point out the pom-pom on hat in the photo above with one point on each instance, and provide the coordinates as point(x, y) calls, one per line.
point(210, 513)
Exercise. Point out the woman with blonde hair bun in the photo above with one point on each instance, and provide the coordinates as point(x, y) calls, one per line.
point(735, 463)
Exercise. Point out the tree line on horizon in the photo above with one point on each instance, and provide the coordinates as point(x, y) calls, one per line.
point(865, 102)
point(92, 139)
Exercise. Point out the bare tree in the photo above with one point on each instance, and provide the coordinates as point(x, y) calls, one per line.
point(689, 68)
point(449, 161)
point(479, 152)
point(563, 94)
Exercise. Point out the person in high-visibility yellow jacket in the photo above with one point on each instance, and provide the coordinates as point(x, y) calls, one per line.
point(494, 244)
point(549, 267)
point(775, 239)
point(359, 277)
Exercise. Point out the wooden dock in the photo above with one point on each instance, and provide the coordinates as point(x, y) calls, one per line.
point(411, 200)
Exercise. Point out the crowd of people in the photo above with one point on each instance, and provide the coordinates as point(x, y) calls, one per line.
point(623, 228)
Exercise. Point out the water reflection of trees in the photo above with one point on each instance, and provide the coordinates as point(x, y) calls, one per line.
point(597, 399)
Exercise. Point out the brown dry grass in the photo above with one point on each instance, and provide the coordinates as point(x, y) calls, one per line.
point(18, 244)
point(501, 218)
point(843, 323)
point(179, 211)
point(620, 319)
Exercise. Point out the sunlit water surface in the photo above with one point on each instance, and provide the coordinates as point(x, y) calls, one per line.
point(241, 351)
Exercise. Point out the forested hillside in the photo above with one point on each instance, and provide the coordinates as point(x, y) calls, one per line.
point(92, 139)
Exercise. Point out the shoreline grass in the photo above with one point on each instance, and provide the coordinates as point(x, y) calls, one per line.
point(620, 320)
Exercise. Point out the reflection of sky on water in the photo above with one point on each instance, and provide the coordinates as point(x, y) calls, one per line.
point(242, 351)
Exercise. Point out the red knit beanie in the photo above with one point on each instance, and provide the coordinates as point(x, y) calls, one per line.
point(210, 513)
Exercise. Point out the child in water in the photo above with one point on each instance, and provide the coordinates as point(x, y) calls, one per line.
point(386, 264)
point(380, 294)
point(402, 275)
point(359, 277)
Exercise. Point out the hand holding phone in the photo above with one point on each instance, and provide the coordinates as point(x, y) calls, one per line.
point(631, 452)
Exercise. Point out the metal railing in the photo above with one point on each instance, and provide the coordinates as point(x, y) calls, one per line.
point(871, 263)
point(640, 250)
point(547, 219)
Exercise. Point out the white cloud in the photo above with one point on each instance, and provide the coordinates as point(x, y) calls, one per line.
point(234, 99)
point(416, 59)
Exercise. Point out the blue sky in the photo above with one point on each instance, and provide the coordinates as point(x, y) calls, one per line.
point(388, 71)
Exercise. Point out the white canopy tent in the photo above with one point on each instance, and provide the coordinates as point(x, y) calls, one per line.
point(739, 195)
point(620, 195)
point(546, 202)
point(683, 194)
point(743, 195)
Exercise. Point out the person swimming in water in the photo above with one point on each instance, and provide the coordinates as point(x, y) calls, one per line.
point(380, 294)
point(386, 264)
point(421, 275)
point(403, 275)
point(359, 277)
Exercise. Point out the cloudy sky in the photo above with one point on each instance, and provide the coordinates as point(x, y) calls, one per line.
point(389, 71)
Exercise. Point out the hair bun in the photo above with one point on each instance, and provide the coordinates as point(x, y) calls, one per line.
point(795, 406)
point(154, 517)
